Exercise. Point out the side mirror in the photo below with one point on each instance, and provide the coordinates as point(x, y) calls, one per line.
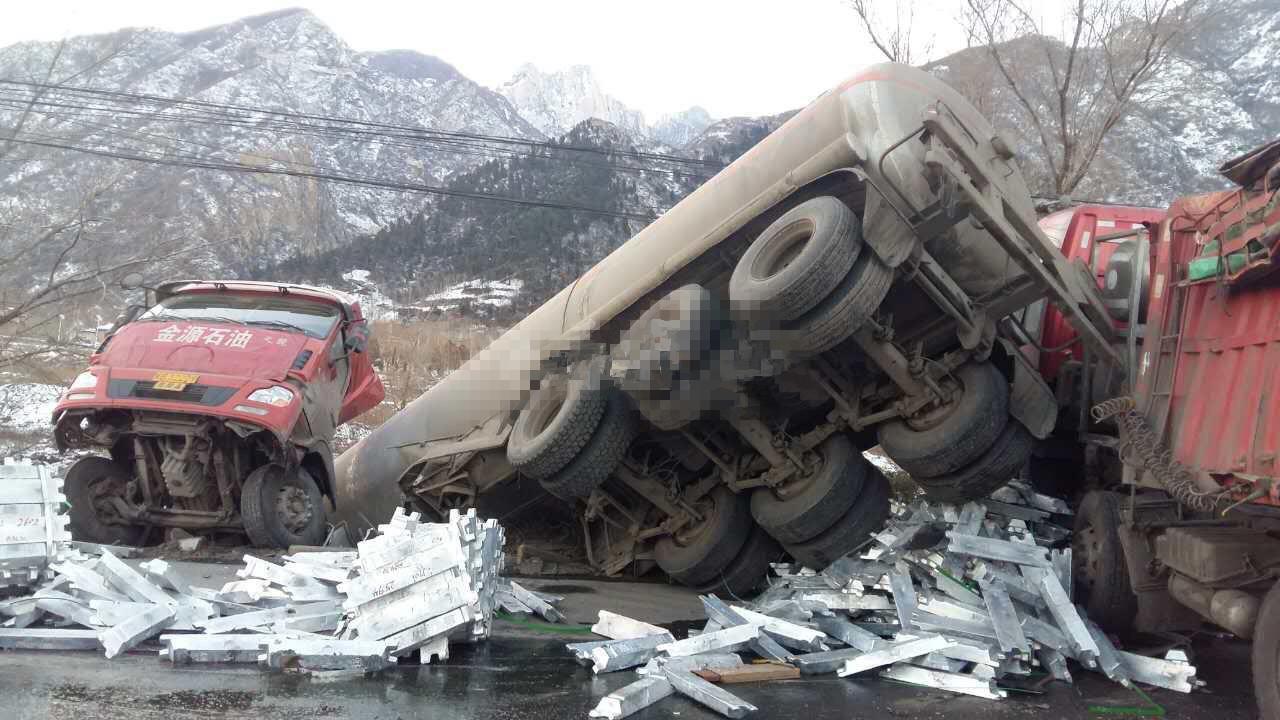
point(132, 281)
point(130, 314)
point(357, 337)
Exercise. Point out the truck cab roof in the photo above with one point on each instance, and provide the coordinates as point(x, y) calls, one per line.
point(350, 306)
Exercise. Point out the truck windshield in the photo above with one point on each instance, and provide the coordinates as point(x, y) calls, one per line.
point(289, 314)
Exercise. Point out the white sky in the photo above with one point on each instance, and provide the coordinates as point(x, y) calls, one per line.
point(733, 57)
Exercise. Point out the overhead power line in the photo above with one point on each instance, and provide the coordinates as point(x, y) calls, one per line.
point(68, 112)
point(73, 105)
point(234, 167)
point(380, 128)
point(81, 106)
point(64, 109)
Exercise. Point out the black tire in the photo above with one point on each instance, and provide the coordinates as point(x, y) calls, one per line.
point(88, 481)
point(749, 571)
point(1266, 655)
point(264, 519)
point(1100, 574)
point(601, 454)
point(701, 553)
point(558, 420)
point(845, 310)
point(867, 515)
point(798, 260)
point(997, 466)
point(820, 499)
point(970, 426)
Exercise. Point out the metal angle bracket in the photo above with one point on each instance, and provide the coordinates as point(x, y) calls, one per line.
point(955, 682)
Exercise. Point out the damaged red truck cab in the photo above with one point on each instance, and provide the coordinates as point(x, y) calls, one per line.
point(218, 408)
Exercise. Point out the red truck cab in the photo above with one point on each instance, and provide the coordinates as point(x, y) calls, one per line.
point(1089, 234)
point(217, 406)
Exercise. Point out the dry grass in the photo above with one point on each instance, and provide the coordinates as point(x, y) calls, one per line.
point(412, 356)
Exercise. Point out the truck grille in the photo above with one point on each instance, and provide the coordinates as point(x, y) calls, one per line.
point(202, 394)
point(191, 393)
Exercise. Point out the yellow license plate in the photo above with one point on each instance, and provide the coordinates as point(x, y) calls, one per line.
point(175, 381)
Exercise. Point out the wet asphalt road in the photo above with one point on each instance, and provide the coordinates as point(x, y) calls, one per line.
point(525, 674)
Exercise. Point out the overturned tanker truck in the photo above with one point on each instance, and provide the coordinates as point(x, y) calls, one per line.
point(703, 395)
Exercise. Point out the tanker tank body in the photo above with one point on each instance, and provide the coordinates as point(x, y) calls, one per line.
point(897, 157)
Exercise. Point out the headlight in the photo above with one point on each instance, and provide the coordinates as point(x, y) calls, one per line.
point(84, 380)
point(276, 395)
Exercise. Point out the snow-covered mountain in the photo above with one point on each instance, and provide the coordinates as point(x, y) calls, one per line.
point(286, 61)
point(679, 129)
point(1220, 97)
point(555, 102)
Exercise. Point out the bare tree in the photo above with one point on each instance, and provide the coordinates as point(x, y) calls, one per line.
point(52, 267)
point(1073, 92)
point(62, 254)
point(895, 35)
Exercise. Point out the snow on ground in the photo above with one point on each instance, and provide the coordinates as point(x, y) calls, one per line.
point(27, 407)
point(373, 303)
point(480, 295)
point(491, 293)
point(349, 434)
point(25, 432)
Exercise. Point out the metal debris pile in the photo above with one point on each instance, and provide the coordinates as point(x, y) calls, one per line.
point(413, 588)
point(32, 533)
point(972, 599)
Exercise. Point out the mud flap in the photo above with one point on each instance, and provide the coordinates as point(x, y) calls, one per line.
point(1031, 401)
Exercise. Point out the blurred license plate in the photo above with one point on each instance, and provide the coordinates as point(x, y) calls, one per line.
point(175, 381)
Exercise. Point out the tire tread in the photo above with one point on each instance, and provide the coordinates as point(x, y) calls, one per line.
point(795, 290)
point(597, 457)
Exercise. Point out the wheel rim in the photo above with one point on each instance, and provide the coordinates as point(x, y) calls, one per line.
point(692, 532)
point(293, 507)
point(101, 489)
point(539, 423)
point(803, 479)
point(935, 414)
point(776, 259)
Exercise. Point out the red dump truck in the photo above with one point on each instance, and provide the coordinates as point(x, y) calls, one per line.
point(214, 409)
point(1172, 455)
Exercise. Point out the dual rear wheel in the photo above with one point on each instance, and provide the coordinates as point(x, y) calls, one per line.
point(807, 283)
point(966, 448)
point(573, 431)
point(828, 511)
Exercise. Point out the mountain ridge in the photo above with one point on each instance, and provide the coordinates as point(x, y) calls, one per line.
point(1223, 96)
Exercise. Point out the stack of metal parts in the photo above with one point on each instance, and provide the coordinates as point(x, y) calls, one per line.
point(32, 532)
point(421, 583)
point(972, 599)
point(413, 587)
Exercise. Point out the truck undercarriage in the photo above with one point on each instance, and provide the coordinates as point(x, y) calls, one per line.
point(187, 471)
point(736, 400)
